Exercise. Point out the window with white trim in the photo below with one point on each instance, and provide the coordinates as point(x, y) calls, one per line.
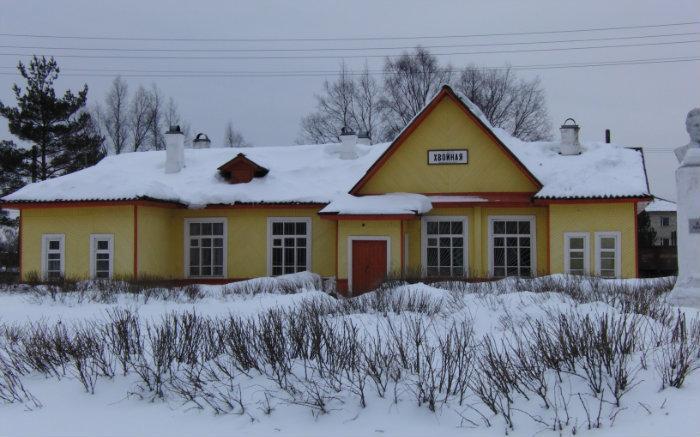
point(608, 254)
point(445, 246)
point(101, 256)
point(576, 253)
point(206, 248)
point(289, 245)
point(665, 221)
point(52, 256)
point(512, 245)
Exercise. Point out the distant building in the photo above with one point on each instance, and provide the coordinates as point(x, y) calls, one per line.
point(662, 215)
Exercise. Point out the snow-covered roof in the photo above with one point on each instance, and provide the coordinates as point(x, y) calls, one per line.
point(317, 174)
point(661, 205)
point(391, 203)
point(304, 174)
point(602, 170)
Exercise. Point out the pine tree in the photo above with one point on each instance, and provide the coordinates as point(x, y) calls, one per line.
point(13, 172)
point(60, 132)
point(646, 235)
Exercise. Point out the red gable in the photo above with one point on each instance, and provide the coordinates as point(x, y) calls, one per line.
point(241, 169)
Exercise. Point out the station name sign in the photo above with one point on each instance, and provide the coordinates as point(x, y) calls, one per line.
point(441, 157)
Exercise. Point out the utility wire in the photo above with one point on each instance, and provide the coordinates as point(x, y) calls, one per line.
point(483, 52)
point(328, 49)
point(368, 38)
point(321, 73)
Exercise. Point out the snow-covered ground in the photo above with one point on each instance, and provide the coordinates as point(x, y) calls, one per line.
point(121, 406)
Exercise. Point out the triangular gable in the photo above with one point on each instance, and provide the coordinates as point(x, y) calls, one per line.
point(445, 92)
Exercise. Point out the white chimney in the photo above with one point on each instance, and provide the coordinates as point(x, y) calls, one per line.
point(348, 140)
point(174, 150)
point(364, 139)
point(201, 141)
point(569, 138)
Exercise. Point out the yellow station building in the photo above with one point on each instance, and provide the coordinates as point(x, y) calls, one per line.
point(449, 197)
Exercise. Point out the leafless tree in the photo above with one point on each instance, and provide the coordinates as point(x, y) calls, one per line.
point(410, 81)
point(115, 117)
point(139, 121)
point(233, 138)
point(156, 114)
point(516, 105)
point(345, 102)
point(365, 110)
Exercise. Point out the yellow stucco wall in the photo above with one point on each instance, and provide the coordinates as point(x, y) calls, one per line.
point(477, 236)
point(379, 228)
point(247, 239)
point(591, 218)
point(155, 242)
point(161, 238)
point(77, 224)
point(448, 127)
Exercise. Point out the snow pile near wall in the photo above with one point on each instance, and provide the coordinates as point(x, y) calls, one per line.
point(392, 203)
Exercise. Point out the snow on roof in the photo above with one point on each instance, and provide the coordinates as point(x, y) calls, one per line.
point(383, 204)
point(661, 205)
point(305, 174)
point(601, 170)
point(316, 174)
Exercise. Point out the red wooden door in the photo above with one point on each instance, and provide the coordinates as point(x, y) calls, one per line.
point(368, 265)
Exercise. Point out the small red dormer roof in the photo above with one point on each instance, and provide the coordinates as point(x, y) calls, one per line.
point(241, 170)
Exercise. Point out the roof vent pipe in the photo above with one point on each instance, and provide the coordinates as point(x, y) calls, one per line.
point(348, 140)
point(569, 138)
point(201, 141)
point(174, 150)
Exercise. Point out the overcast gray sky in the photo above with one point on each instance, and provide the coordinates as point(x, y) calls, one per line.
point(643, 105)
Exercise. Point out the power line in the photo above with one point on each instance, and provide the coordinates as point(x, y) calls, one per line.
point(368, 38)
point(326, 49)
point(323, 73)
point(483, 52)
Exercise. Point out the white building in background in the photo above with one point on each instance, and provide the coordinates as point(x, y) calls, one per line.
point(662, 214)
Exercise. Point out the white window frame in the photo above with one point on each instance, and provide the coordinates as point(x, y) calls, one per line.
point(187, 246)
point(45, 238)
point(533, 238)
point(352, 238)
point(309, 239)
point(665, 221)
point(424, 240)
point(586, 251)
point(93, 253)
point(618, 248)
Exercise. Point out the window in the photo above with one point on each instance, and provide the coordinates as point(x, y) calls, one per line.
point(205, 254)
point(101, 256)
point(673, 239)
point(289, 241)
point(665, 221)
point(608, 254)
point(52, 256)
point(512, 242)
point(445, 248)
point(576, 254)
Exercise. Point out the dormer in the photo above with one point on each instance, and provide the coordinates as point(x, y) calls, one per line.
point(241, 170)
